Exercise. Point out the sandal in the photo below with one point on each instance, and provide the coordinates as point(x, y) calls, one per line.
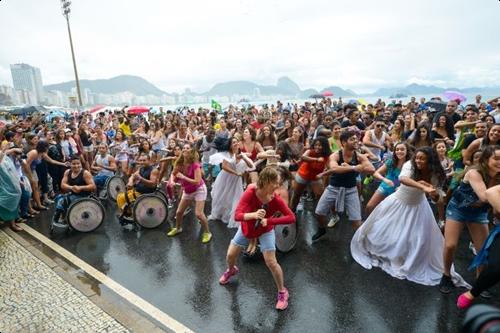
point(14, 227)
point(34, 212)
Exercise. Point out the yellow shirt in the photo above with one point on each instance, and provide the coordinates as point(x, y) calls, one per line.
point(125, 128)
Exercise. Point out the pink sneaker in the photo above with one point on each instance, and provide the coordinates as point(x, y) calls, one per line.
point(463, 302)
point(282, 303)
point(224, 279)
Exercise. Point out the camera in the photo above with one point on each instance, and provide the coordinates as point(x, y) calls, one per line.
point(481, 318)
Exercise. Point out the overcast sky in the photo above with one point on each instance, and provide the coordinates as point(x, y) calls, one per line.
point(361, 45)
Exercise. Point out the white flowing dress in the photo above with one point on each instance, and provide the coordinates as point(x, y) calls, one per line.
point(401, 237)
point(227, 190)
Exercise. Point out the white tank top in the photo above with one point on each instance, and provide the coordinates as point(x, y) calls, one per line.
point(381, 141)
point(103, 161)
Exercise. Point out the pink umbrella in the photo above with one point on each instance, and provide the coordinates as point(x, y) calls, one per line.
point(97, 108)
point(327, 93)
point(138, 109)
point(454, 96)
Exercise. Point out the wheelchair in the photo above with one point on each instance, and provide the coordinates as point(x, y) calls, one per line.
point(286, 236)
point(286, 239)
point(114, 185)
point(84, 214)
point(148, 211)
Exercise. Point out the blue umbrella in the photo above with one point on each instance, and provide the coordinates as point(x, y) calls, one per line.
point(55, 113)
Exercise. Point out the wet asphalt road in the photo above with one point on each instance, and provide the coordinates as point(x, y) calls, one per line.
point(329, 291)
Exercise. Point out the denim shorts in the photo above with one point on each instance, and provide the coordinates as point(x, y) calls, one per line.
point(100, 180)
point(466, 214)
point(215, 170)
point(303, 181)
point(267, 240)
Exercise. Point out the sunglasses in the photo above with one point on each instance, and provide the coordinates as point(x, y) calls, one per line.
point(379, 125)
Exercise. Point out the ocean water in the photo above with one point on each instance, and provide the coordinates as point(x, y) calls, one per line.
point(367, 98)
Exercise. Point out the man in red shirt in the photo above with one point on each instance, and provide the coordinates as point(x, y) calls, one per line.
point(256, 212)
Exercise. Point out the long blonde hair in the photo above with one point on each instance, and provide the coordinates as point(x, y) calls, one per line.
point(182, 161)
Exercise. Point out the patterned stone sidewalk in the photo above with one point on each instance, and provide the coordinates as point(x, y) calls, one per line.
point(33, 298)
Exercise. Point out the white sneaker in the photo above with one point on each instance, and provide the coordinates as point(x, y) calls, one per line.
point(333, 221)
point(441, 224)
point(472, 248)
point(300, 206)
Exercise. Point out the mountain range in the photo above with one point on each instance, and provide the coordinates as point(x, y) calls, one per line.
point(284, 86)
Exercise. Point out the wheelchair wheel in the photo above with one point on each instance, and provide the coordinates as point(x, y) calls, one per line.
point(286, 236)
point(85, 214)
point(115, 185)
point(150, 210)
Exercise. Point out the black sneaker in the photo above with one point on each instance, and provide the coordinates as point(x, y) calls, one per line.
point(320, 233)
point(446, 285)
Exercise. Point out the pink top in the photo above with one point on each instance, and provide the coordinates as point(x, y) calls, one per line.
point(187, 186)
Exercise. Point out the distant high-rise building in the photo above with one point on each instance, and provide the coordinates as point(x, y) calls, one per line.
point(29, 78)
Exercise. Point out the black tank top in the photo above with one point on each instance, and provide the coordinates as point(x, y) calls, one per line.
point(84, 137)
point(78, 181)
point(347, 179)
point(145, 173)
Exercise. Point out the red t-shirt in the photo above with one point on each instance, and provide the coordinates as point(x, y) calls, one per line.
point(256, 125)
point(249, 203)
point(309, 170)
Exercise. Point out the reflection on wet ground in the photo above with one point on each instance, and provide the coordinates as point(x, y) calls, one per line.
point(329, 291)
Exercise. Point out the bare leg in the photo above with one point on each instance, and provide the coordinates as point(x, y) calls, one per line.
point(298, 189)
point(479, 233)
point(275, 268)
point(356, 225)
point(452, 230)
point(233, 252)
point(200, 214)
point(376, 198)
point(179, 214)
point(317, 189)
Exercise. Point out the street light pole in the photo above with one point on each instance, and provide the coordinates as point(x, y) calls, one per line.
point(66, 10)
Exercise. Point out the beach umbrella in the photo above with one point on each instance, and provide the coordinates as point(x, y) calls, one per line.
point(55, 113)
point(362, 101)
point(316, 96)
point(138, 109)
point(327, 93)
point(97, 108)
point(454, 95)
point(28, 110)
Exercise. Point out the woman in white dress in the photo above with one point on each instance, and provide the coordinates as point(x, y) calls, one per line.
point(401, 235)
point(228, 186)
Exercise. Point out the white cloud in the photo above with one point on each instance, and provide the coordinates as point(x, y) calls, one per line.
point(360, 45)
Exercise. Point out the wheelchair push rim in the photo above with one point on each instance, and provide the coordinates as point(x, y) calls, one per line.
point(85, 215)
point(115, 185)
point(150, 210)
point(286, 237)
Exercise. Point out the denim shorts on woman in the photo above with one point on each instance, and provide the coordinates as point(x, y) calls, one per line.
point(466, 214)
point(267, 240)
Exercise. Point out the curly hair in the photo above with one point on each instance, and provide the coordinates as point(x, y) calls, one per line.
point(325, 146)
point(433, 163)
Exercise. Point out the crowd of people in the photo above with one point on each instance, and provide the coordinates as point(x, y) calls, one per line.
point(432, 172)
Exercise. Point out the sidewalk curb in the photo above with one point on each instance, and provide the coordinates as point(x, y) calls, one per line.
point(114, 305)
